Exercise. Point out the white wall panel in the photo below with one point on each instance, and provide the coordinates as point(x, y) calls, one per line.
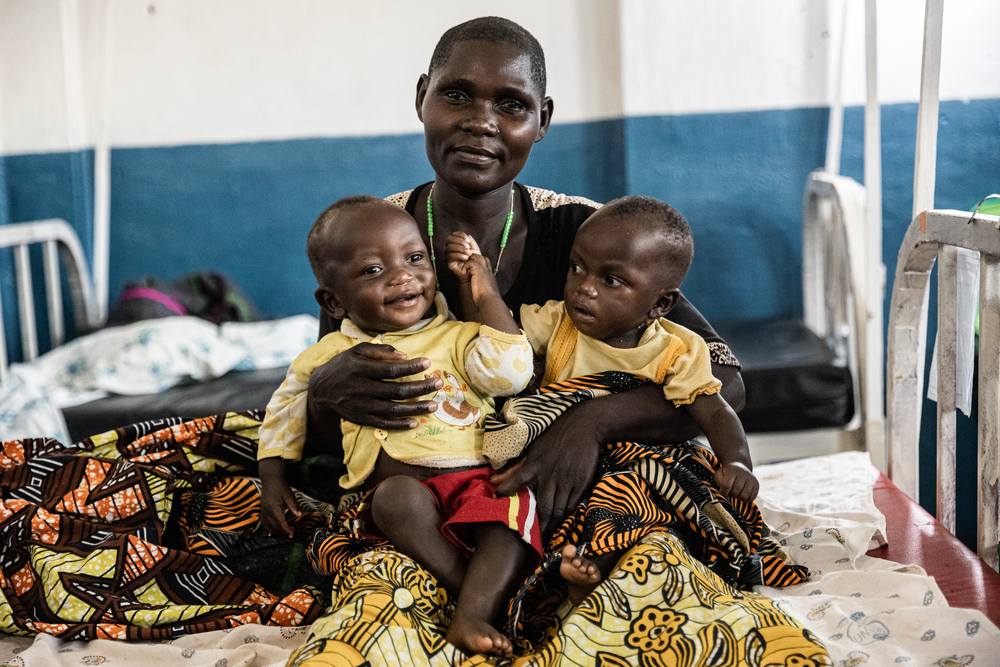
point(195, 72)
point(741, 55)
point(190, 72)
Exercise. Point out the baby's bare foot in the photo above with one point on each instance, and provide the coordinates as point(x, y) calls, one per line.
point(474, 635)
point(581, 575)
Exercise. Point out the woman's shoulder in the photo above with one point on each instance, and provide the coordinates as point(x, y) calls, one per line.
point(400, 199)
point(542, 200)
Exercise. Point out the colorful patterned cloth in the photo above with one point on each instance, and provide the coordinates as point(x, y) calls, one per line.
point(135, 534)
point(84, 552)
point(660, 607)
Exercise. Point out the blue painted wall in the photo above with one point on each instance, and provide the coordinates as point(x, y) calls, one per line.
point(244, 209)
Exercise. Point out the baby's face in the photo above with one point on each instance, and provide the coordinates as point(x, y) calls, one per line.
point(614, 280)
point(383, 278)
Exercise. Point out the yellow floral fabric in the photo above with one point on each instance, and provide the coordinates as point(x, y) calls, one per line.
point(661, 607)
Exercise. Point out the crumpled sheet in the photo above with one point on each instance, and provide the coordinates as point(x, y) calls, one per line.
point(146, 357)
point(245, 646)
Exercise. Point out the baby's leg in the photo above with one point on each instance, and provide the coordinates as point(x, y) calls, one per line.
point(405, 511)
point(582, 575)
point(494, 573)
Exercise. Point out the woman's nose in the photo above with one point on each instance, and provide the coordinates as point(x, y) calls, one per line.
point(481, 120)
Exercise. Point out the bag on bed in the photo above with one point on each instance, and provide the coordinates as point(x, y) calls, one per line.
point(205, 294)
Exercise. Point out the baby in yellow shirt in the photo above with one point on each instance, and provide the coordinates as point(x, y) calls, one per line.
point(428, 491)
point(626, 267)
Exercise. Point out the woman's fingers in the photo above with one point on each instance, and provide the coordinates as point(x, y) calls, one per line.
point(355, 386)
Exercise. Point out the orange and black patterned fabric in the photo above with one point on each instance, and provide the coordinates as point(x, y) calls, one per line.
point(639, 489)
point(83, 546)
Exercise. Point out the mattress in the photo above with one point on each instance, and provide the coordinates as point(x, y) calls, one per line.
point(793, 380)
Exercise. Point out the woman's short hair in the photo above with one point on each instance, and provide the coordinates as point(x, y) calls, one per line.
point(495, 30)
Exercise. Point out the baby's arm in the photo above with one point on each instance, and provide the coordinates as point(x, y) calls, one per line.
point(481, 299)
point(725, 434)
point(276, 496)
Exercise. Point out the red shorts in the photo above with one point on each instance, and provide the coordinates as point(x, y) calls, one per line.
point(465, 499)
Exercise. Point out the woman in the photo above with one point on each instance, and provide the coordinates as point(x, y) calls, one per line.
point(483, 106)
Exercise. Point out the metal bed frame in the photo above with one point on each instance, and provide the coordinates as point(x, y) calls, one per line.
point(56, 238)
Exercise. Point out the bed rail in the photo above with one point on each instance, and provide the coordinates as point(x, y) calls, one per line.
point(934, 236)
point(843, 287)
point(57, 239)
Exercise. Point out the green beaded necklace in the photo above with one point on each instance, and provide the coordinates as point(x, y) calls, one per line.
point(430, 229)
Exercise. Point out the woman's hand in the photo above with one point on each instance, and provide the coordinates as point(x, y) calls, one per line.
point(559, 465)
point(356, 385)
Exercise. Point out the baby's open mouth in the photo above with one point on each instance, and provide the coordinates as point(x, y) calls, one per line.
point(403, 299)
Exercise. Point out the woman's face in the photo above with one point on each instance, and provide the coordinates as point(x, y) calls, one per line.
point(481, 113)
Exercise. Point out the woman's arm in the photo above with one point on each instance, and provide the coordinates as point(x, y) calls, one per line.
point(561, 462)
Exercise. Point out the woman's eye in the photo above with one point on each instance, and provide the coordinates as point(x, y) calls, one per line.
point(511, 106)
point(454, 95)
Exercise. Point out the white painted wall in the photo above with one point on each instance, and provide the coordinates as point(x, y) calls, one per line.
point(190, 72)
point(168, 72)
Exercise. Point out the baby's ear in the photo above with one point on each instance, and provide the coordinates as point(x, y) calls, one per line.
point(329, 302)
point(665, 303)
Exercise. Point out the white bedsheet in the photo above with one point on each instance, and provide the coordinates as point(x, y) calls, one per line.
point(866, 611)
point(142, 358)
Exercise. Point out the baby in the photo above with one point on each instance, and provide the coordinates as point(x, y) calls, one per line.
point(626, 267)
point(428, 492)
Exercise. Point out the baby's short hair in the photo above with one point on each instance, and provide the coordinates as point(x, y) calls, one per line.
point(495, 30)
point(677, 240)
point(315, 248)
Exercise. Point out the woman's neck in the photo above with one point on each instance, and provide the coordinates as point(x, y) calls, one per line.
point(482, 216)
point(471, 213)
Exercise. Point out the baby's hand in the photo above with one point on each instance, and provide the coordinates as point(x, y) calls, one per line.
point(736, 481)
point(466, 262)
point(275, 497)
point(464, 255)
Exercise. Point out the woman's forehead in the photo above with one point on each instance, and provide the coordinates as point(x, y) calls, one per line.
point(487, 62)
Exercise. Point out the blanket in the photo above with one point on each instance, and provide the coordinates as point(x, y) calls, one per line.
point(149, 532)
point(84, 548)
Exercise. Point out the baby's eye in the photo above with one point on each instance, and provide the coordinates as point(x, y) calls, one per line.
point(371, 270)
point(575, 268)
point(612, 281)
point(416, 258)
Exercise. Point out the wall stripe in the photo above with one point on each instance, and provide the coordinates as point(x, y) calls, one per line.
point(244, 209)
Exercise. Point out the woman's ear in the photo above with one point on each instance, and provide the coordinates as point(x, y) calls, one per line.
point(329, 302)
point(544, 118)
point(422, 84)
point(665, 303)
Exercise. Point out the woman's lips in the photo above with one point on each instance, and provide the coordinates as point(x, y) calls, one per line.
point(474, 155)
